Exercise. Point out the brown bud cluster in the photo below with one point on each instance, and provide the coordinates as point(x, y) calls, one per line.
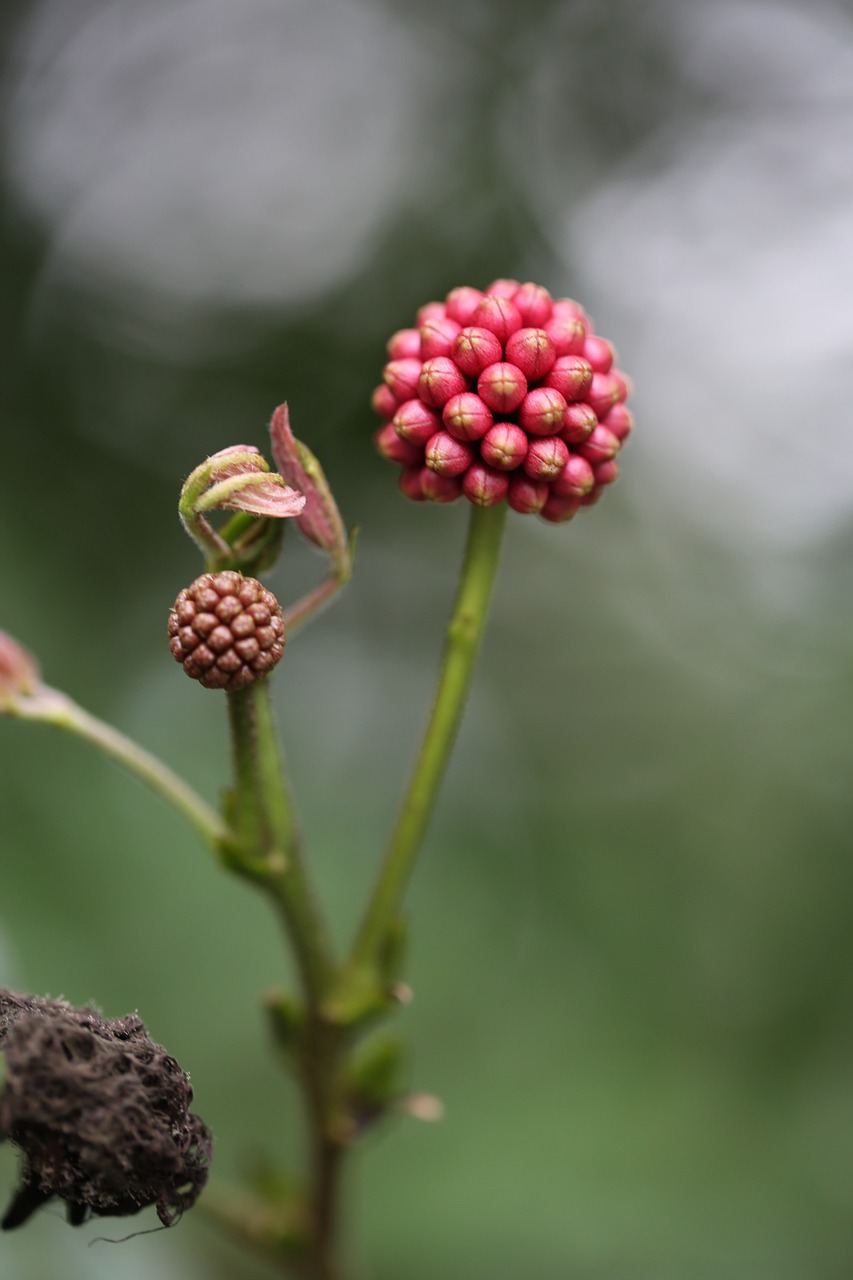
point(226, 630)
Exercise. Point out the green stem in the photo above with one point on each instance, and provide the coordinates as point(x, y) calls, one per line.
point(52, 707)
point(309, 604)
point(269, 837)
point(462, 643)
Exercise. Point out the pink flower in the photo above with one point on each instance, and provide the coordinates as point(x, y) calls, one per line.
point(503, 394)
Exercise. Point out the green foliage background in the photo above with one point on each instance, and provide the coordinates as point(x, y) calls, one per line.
point(631, 935)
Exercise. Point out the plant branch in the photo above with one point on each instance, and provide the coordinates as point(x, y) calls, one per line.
point(50, 706)
point(464, 633)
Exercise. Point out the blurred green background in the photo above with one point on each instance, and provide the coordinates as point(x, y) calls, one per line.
point(631, 935)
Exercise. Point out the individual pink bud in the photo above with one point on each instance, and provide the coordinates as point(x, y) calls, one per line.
point(601, 446)
point(546, 458)
point(416, 422)
point(475, 349)
point(437, 338)
point(404, 344)
point(430, 311)
point(504, 446)
point(534, 305)
point(483, 486)
point(448, 456)
point(593, 496)
point(579, 423)
point(567, 308)
point(619, 420)
point(402, 377)
point(466, 416)
point(410, 483)
point(572, 377)
point(606, 390)
point(503, 288)
point(393, 447)
point(19, 670)
point(438, 488)
point(527, 496)
point(383, 401)
point(531, 351)
point(497, 314)
point(559, 510)
point(599, 353)
point(461, 304)
point(440, 379)
point(542, 411)
point(606, 473)
point(576, 478)
point(503, 386)
point(567, 334)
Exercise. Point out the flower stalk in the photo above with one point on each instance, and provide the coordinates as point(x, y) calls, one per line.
point(462, 643)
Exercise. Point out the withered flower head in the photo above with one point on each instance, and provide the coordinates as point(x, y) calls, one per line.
point(99, 1113)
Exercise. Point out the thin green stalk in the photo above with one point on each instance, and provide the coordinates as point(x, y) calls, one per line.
point(310, 604)
point(50, 706)
point(462, 643)
point(268, 834)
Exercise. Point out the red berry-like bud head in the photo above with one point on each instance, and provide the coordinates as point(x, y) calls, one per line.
point(226, 630)
point(509, 395)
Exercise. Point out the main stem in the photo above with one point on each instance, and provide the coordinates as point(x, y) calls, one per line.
point(464, 633)
point(269, 836)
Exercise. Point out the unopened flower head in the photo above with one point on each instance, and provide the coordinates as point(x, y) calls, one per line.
point(504, 394)
point(226, 630)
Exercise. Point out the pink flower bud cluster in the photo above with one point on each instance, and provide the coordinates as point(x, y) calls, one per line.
point(503, 394)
